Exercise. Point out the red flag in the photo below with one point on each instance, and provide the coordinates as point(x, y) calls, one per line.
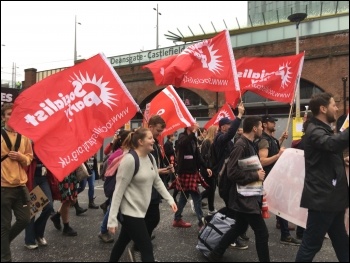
point(171, 108)
point(68, 114)
point(274, 78)
point(225, 111)
point(208, 65)
point(158, 67)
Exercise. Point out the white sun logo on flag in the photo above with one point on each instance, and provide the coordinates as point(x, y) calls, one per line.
point(205, 52)
point(284, 72)
point(105, 95)
point(222, 114)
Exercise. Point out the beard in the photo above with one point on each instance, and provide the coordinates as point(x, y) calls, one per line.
point(330, 117)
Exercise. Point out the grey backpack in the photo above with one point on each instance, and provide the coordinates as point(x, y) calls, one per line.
point(211, 234)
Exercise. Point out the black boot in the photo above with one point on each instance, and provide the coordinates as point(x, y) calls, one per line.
point(79, 210)
point(56, 219)
point(92, 204)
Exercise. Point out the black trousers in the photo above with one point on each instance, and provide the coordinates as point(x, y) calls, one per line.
point(258, 225)
point(317, 225)
point(135, 229)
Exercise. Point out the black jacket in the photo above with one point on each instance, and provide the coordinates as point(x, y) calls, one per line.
point(189, 159)
point(325, 186)
point(242, 149)
point(224, 145)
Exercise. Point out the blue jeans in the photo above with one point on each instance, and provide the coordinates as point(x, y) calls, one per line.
point(317, 225)
point(91, 181)
point(196, 197)
point(104, 228)
point(37, 228)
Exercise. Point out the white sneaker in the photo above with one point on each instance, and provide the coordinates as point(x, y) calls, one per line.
point(31, 247)
point(211, 213)
point(192, 207)
point(41, 241)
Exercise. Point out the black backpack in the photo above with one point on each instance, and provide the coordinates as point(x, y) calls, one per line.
point(110, 181)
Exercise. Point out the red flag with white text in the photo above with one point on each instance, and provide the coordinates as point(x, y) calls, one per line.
point(208, 65)
point(68, 114)
point(171, 108)
point(225, 111)
point(275, 78)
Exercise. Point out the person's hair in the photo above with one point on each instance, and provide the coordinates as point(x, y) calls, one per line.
point(155, 120)
point(5, 107)
point(250, 122)
point(169, 136)
point(211, 133)
point(200, 131)
point(123, 135)
point(132, 140)
point(318, 100)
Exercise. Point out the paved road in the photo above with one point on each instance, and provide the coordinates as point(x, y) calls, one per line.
point(170, 245)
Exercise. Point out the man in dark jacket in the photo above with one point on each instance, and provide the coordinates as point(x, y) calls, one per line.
point(223, 140)
point(326, 191)
point(246, 209)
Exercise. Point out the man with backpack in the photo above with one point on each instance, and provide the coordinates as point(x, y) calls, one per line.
point(221, 149)
point(246, 209)
point(16, 154)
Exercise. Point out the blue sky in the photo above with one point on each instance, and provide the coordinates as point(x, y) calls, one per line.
point(41, 34)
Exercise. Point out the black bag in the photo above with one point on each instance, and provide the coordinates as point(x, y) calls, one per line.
point(110, 181)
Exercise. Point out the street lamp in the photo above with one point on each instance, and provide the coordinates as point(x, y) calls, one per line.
point(297, 18)
point(158, 13)
point(75, 38)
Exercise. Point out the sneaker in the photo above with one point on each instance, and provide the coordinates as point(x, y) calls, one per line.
point(239, 245)
point(204, 204)
point(69, 232)
point(290, 241)
point(211, 213)
point(31, 247)
point(41, 241)
point(244, 237)
point(181, 223)
point(192, 206)
point(56, 220)
point(106, 237)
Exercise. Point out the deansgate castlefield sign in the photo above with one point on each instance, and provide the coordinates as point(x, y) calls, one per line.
point(146, 56)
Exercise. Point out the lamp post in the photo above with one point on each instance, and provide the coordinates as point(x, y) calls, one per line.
point(75, 39)
point(297, 18)
point(157, 34)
